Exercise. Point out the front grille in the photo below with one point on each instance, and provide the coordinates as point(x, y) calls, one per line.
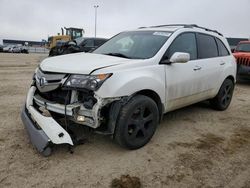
point(58, 96)
point(243, 61)
point(47, 81)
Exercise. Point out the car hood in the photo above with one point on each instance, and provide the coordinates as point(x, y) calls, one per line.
point(80, 63)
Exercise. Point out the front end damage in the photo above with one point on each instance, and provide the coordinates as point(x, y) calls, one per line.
point(54, 114)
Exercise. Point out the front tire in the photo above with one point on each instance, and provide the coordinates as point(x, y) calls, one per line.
point(137, 122)
point(223, 99)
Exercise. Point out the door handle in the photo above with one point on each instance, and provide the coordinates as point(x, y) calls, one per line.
point(222, 63)
point(197, 68)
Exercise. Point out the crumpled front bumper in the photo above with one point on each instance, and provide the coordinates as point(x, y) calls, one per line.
point(42, 130)
point(38, 138)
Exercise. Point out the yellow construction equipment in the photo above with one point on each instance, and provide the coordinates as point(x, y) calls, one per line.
point(67, 34)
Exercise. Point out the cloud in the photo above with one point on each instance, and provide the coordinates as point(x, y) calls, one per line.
point(35, 20)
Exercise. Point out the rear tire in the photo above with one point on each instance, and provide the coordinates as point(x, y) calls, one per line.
point(223, 99)
point(137, 122)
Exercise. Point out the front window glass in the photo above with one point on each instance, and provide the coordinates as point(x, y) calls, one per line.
point(185, 43)
point(134, 44)
point(77, 34)
point(243, 47)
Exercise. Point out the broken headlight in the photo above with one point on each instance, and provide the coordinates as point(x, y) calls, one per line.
point(91, 82)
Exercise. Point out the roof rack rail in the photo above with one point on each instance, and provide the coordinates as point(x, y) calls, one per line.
point(185, 26)
point(206, 29)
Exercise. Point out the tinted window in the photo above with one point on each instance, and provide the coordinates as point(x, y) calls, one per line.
point(99, 42)
point(243, 47)
point(88, 43)
point(186, 43)
point(222, 49)
point(207, 47)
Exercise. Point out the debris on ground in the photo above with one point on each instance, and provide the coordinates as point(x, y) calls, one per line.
point(126, 181)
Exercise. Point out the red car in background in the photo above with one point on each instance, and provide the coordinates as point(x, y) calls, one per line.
point(242, 55)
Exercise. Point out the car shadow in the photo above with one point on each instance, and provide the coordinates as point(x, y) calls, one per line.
point(189, 111)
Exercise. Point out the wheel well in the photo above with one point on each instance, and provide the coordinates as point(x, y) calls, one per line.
point(231, 78)
point(153, 95)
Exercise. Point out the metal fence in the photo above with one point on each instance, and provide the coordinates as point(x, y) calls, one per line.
point(38, 50)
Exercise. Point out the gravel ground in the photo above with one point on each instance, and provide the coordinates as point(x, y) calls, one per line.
point(193, 147)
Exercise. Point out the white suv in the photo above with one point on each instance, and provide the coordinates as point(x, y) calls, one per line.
point(125, 86)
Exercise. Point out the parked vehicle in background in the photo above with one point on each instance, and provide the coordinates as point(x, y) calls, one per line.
point(88, 44)
point(124, 87)
point(7, 49)
point(1, 48)
point(242, 55)
point(78, 45)
point(16, 49)
point(24, 50)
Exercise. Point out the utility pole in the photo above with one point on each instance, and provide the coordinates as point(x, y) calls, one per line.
point(95, 6)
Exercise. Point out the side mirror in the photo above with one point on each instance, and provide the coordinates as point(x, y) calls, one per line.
point(180, 57)
point(177, 57)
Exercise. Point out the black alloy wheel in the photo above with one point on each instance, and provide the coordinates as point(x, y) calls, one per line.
point(223, 99)
point(137, 122)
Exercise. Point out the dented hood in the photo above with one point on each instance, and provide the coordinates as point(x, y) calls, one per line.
point(80, 63)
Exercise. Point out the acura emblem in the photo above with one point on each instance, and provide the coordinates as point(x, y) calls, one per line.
point(42, 81)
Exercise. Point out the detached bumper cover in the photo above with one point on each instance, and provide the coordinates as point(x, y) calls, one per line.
point(38, 138)
point(42, 130)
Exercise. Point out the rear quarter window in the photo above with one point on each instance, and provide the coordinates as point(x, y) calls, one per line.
point(222, 48)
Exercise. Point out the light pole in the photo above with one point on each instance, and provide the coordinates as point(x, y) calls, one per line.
point(95, 6)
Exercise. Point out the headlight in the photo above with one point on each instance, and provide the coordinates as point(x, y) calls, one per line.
point(91, 82)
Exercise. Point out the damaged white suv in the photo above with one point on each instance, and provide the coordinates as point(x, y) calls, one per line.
point(125, 86)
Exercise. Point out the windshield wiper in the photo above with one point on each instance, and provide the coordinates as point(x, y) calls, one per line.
point(118, 55)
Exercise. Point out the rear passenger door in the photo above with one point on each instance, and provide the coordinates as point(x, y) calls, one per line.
point(209, 63)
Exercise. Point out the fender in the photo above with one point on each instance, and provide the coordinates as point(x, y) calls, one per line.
point(229, 70)
point(128, 82)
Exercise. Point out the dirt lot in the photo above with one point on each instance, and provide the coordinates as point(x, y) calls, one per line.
point(193, 147)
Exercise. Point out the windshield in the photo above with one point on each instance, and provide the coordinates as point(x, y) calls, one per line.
point(134, 44)
point(243, 47)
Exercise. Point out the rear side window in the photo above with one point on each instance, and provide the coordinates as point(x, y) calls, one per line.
point(221, 48)
point(207, 47)
point(186, 43)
